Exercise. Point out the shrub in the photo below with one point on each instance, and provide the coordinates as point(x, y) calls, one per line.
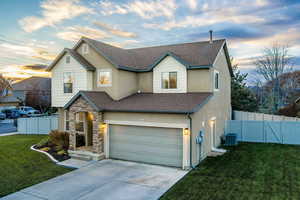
point(61, 152)
point(45, 149)
point(60, 139)
point(44, 142)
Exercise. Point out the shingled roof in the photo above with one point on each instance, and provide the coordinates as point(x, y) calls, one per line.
point(181, 103)
point(195, 55)
point(192, 55)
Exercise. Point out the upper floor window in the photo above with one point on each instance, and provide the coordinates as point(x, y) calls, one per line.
point(85, 48)
point(68, 82)
point(216, 80)
point(68, 59)
point(169, 80)
point(104, 78)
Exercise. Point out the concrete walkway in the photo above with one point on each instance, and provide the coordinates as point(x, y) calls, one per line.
point(105, 180)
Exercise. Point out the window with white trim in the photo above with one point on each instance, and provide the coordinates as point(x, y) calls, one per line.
point(68, 82)
point(216, 80)
point(67, 120)
point(85, 48)
point(169, 80)
point(68, 59)
point(104, 78)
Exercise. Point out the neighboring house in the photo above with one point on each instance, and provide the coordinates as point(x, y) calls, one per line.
point(145, 104)
point(9, 101)
point(6, 97)
point(34, 92)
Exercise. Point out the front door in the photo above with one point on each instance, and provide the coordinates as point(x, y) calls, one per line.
point(213, 133)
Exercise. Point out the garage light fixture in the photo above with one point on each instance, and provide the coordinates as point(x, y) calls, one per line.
point(186, 131)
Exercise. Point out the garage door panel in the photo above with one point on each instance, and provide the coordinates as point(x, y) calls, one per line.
point(143, 149)
point(152, 160)
point(139, 140)
point(146, 144)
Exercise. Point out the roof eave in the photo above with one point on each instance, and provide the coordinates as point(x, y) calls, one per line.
point(148, 111)
point(81, 93)
point(61, 54)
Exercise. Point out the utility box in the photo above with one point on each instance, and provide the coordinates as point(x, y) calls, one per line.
point(231, 139)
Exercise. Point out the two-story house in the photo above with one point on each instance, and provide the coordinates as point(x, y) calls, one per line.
point(145, 104)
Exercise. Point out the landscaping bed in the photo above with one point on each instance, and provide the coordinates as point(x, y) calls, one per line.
point(56, 144)
point(21, 167)
point(248, 171)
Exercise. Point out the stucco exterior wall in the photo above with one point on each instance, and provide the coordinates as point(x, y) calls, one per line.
point(61, 119)
point(199, 80)
point(219, 107)
point(146, 117)
point(127, 83)
point(123, 83)
point(101, 63)
point(145, 81)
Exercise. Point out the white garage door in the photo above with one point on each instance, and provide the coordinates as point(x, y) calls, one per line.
point(153, 145)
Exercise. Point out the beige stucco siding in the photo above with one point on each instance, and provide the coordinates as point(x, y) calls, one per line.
point(219, 107)
point(123, 83)
point(145, 81)
point(61, 119)
point(80, 80)
point(146, 117)
point(127, 83)
point(199, 80)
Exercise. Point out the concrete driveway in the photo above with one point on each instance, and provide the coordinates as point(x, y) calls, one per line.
point(106, 179)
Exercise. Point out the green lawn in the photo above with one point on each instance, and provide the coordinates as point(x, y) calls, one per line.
point(21, 167)
point(248, 171)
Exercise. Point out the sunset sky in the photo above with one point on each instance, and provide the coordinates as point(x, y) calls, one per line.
point(33, 32)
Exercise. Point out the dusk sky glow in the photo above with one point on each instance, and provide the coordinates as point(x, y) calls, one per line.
point(35, 31)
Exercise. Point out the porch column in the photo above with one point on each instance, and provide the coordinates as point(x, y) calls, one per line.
point(72, 132)
point(97, 135)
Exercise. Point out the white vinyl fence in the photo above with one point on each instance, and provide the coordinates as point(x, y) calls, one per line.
point(284, 132)
point(37, 125)
point(241, 115)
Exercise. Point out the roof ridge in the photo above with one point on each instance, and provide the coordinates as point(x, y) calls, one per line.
point(169, 45)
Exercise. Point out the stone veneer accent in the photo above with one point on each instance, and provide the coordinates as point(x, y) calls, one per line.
point(81, 105)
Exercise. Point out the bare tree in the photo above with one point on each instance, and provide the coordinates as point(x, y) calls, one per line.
point(274, 62)
point(37, 97)
point(5, 85)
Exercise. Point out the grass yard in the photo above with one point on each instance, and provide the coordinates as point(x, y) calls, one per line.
point(21, 167)
point(248, 171)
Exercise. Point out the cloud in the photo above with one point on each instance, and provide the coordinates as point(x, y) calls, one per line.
point(232, 33)
point(76, 32)
point(20, 72)
point(54, 12)
point(36, 67)
point(144, 9)
point(30, 51)
point(204, 20)
point(115, 31)
point(192, 4)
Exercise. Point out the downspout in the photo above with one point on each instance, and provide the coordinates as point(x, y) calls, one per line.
point(191, 155)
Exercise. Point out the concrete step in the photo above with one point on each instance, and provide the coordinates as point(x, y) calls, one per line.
point(85, 155)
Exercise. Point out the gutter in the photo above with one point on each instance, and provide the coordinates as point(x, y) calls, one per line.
point(191, 155)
